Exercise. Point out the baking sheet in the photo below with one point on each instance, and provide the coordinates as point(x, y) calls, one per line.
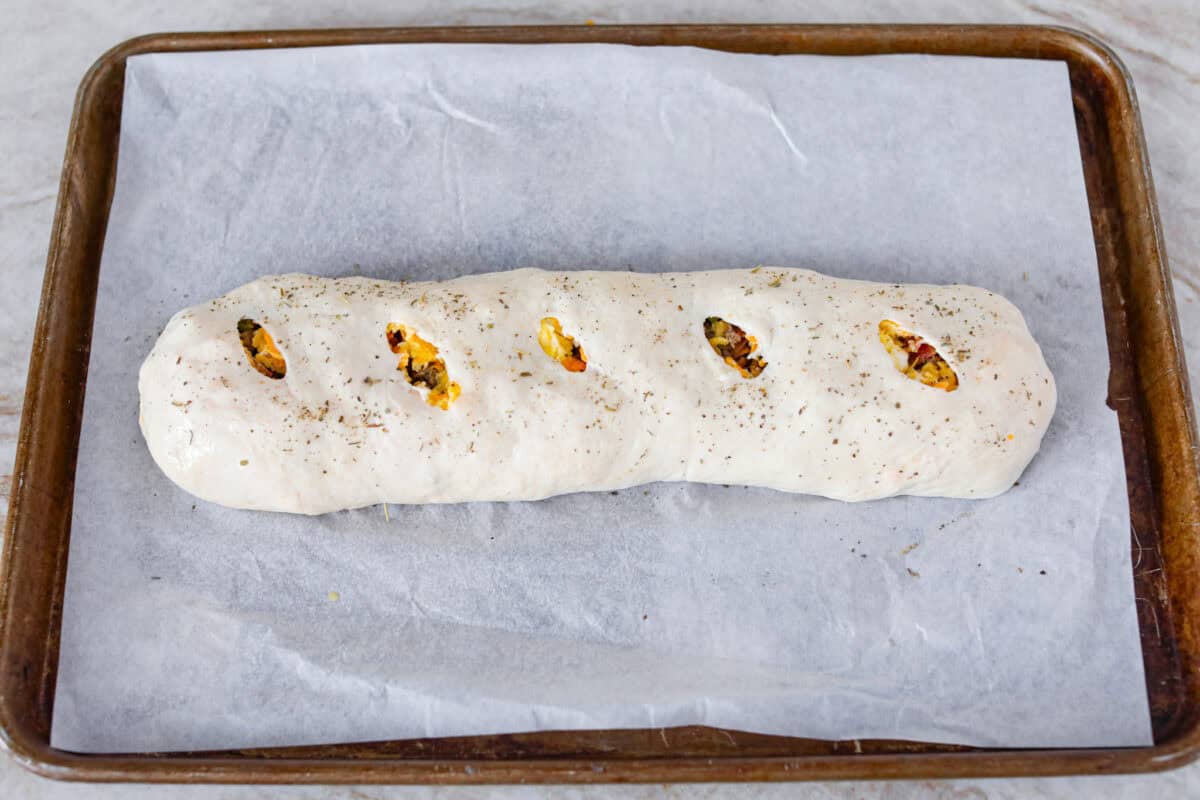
point(1007, 622)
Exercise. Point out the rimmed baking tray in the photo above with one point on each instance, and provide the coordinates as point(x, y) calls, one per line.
point(1147, 387)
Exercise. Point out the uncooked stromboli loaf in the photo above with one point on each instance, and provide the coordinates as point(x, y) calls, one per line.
point(305, 394)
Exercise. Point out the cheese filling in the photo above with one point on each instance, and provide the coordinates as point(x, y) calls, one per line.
point(260, 349)
point(735, 346)
point(421, 365)
point(916, 358)
point(562, 348)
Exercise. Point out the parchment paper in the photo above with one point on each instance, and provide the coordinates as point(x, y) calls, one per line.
point(1007, 622)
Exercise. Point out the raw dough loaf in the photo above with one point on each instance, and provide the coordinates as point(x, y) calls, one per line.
point(831, 414)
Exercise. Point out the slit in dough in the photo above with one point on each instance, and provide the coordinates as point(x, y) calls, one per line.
point(421, 366)
point(561, 347)
point(916, 358)
point(260, 349)
point(735, 346)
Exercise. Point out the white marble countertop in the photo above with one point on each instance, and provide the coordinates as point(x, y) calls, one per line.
point(45, 47)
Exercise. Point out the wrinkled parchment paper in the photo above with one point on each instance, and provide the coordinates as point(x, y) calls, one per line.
point(1005, 622)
